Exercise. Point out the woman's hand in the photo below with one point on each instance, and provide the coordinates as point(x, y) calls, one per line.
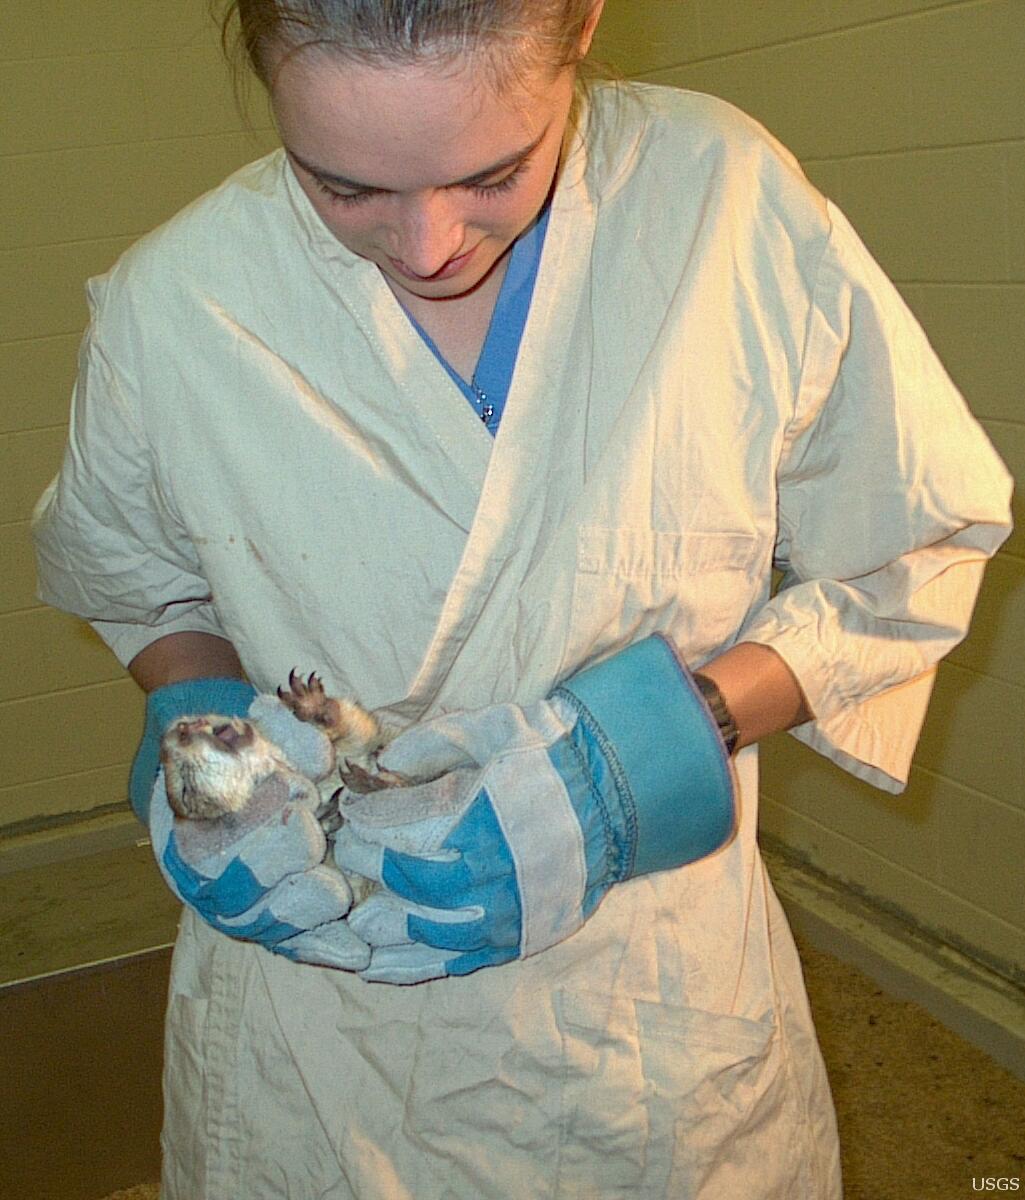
point(263, 881)
point(534, 813)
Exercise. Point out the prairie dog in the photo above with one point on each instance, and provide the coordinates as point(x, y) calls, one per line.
point(213, 765)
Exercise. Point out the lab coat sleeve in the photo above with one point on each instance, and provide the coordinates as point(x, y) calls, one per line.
point(109, 547)
point(890, 501)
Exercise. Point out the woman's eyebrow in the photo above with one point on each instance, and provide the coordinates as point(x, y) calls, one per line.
point(354, 185)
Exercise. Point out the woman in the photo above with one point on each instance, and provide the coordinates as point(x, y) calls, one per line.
point(299, 439)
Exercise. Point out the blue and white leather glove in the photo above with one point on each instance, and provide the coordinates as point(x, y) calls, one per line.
point(261, 881)
point(621, 771)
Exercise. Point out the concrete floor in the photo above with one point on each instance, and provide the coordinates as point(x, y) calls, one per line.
point(921, 1111)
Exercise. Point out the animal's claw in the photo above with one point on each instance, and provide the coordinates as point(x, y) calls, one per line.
point(329, 816)
point(359, 780)
point(306, 698)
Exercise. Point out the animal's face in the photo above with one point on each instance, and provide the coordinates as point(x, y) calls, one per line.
point(211, 765)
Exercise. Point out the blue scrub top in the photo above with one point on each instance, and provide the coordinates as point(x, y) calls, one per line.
point(488, 390)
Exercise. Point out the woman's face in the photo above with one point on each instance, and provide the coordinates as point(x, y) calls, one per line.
point(423, 169)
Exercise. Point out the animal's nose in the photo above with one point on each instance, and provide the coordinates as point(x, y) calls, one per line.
point(188, 726)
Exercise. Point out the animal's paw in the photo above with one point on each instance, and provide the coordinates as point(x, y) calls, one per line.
point(354, 732)
point(308, 700)
point(358, 779)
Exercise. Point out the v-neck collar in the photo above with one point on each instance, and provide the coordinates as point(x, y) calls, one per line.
point(488, 388)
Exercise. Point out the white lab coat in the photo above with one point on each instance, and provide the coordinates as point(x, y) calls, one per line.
point(714, 376)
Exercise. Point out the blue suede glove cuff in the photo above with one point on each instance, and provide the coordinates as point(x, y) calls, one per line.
point(229, 697)
point(648, 727)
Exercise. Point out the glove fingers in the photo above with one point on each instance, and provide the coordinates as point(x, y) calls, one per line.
point(297, 904)
point(416, 964)
point(264, 858)
point(332, 945)
point(352, 853)
point(466, 935)
point(422, 753)
point(312, 898)
point(466, 964)
point(421, 815)
point(474, 738)
point(262, 925)
point(435, 883)
point(291, 841)
point(407, 964)
point(466, 738)
point(305, 746)
point(383, 919)
point(235, 891)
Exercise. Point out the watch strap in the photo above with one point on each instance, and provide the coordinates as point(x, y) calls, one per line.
point(711, 695)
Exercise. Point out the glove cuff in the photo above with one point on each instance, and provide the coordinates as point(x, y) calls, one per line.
point(190, 697)
point(646, 718)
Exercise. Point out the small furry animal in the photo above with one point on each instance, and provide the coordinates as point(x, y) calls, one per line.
point(214, 766)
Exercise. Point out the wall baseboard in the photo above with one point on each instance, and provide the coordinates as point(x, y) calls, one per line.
point(76, 839)
point(976, 1003)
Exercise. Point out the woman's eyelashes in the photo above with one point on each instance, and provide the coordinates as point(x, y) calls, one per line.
point(348, 198)
point(502, 185)
point(484, 190)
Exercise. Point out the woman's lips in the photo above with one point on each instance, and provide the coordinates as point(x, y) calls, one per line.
point(452, 267)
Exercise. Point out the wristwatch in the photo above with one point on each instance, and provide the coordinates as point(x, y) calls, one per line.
point(711, 695)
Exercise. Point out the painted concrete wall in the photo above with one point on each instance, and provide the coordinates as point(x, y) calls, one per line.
point(911, 115)
point(114, 115)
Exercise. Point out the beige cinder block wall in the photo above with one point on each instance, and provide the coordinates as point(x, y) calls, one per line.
point(910, 114)
point(114, 115)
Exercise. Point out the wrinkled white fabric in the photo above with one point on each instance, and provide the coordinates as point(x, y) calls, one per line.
point(714, 376)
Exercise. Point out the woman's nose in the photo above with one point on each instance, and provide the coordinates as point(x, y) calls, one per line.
point(431, 232)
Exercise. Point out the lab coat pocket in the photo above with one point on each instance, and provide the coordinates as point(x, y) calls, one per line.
point(722, 1116)
point(662, 1101)
point(629, 583)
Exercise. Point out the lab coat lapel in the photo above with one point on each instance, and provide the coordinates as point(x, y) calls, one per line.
point(543, 422)
point(431, 428)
